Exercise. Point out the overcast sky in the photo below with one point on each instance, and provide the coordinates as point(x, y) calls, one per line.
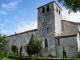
point(21, 15)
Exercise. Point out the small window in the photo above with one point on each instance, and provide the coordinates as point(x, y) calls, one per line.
point(17, 50)
point(43, 19)
point(58, 41)
point(43, 10)
point(46, 43)
point(59, 11)
point(47, 29)
point(47, 8)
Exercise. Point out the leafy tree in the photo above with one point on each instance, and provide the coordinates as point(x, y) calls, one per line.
point(34, 46)
point(38, 47)
point(2, 54)
point(31, 46)
point(72, 5)
point(14, 49)
point(3, 42)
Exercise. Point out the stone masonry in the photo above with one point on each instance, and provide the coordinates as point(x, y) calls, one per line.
point(54, 33)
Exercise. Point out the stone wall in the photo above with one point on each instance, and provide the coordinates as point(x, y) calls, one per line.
point(46, 28)
point(70, 45)
point(49, 26)
point(57, 18)
point(69, 27)
point(19, 40)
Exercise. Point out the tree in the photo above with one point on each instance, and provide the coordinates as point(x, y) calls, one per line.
point(38, 47)
point(14, 49)
point(72, 5)
point(34, 46)
point(3, 42)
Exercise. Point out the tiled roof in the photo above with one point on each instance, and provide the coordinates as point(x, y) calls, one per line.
point(64, 36)
point(70, 21)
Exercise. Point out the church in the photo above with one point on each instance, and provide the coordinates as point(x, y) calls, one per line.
point(55, 33)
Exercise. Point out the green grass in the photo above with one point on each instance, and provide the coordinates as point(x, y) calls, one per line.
point(78, 59)
point(7, 59)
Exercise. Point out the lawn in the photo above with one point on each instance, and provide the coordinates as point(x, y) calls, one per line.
point(78, 59)
point(7, 59)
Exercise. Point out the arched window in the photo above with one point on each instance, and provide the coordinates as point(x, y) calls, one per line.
point(47, 9)
point(43, 10)
point(46, 43)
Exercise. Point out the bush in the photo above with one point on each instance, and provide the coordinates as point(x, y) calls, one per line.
point(14, 49)
point(2, 54)
point(12, 53)
point(13, 57)
point(40, 55)
point(51, 56)
point(34, 58)
point(78, 55)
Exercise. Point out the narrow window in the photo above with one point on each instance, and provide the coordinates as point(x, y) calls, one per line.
point(64, 52)
point(43, 19)
point(17, 50)
point(47, 8)
point(47, 29)
point(59, 11)
point(58, 42)
point(46, 43)
point(43, 10)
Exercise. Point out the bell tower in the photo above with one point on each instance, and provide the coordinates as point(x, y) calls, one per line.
point(49, 25)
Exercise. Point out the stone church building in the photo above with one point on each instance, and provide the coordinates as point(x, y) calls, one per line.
point(54, 32)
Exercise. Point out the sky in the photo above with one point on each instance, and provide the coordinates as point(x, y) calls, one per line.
point(18, 16)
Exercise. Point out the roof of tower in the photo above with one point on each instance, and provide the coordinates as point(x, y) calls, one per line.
point(50, 3)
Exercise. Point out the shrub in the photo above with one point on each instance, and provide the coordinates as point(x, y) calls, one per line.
point(13, 57)
point(12, 53)
point(40, 55)
point(51, 56)
point(2, 54)
point(78, 55)
point(14, 49)
point(33, 58)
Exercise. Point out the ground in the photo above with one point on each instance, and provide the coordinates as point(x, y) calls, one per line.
point(7, 59)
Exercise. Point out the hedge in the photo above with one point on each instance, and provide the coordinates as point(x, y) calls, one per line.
point(36, 58)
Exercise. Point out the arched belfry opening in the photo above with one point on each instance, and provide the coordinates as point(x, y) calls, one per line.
point(43, 10)
point(46, 43)
point(47, 8)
